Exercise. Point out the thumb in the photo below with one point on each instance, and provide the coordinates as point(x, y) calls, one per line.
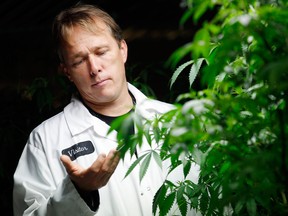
point(67, 162)
point(71, 168)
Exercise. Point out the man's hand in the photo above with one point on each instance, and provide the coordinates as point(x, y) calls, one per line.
point(97, 175)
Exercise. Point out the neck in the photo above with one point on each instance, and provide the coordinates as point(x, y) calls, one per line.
point(113, 108)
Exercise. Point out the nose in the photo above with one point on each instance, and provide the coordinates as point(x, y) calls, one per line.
point(94, 66)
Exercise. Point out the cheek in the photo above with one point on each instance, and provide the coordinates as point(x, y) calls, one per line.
point(118, 62)
point(79, 78)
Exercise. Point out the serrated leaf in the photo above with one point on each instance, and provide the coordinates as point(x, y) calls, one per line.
point(167, 204)
point(239, 206)
point(201, 9)
point(196, 191)
point(123, 126)
point(189, 191)
point(181, 201)
point(133, 143)
point(157, 158)
point(186, 15)
point(192, 194)
point(134, 164)
point(156, 132)
point(181, 191)
point(201, 43)
point(179, 70)
point(251, 207)
point(187, 168)
point(159, 197)
point(178, 55)
point(170, 184)
point(139, 133)
point(198, 156)
point(144, 166)
point(204, 201)
point(226, 165)
point(213, 201)
point(125, 129)
point(195, 70)
point(146, 132)
point(116, 124)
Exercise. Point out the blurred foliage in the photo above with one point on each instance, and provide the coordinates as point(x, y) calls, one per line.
point(235, 128)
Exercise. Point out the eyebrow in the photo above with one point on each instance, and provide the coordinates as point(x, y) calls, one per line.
point(78, 54)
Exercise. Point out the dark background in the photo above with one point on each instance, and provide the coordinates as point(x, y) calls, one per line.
point(151, 29)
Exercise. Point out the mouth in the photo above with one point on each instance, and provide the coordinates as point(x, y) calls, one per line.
point(100, 82)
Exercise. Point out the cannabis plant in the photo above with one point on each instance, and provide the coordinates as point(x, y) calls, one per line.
point(235, 127)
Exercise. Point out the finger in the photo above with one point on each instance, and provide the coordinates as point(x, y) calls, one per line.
point(113, 154)
point(103, 180)
point(97, 165)
point(71, 168)
point(111, 164)
point(111, 161)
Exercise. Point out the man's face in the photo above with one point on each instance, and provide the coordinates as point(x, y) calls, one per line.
point(95, 63)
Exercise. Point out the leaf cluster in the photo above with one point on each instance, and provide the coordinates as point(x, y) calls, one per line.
point(235, 129)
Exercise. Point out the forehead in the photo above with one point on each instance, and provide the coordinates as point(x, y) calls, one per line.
point(96, 28)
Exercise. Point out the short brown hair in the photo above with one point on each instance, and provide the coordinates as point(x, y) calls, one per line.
point(85, 16)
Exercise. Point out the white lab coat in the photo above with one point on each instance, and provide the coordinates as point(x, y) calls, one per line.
point(42, 186)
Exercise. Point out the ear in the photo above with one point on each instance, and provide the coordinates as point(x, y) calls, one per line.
point(124, 50)
point(65, 71)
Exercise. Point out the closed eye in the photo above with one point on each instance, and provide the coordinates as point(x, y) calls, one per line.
point(101, 52)
point(78, 62)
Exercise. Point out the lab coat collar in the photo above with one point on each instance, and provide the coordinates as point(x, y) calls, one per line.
point(79, 118)
point(147, 108)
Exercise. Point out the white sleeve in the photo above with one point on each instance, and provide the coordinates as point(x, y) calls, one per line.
point(36, 191)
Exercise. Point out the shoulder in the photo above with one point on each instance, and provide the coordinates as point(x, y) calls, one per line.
point(153, 105)
point(49, 124)
point(148, 106)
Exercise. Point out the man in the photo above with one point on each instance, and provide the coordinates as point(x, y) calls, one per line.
point(70, 165)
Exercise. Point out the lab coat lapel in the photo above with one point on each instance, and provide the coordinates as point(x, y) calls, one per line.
point(79, 119)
